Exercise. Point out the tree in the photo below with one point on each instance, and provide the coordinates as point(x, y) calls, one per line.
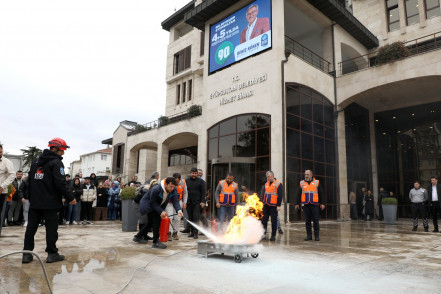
point(30, 154)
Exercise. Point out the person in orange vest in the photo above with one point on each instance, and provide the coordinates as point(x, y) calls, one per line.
point(310, 195)
point(226, 196)
point(271, 196)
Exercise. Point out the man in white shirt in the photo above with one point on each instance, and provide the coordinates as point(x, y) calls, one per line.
point(7, 175)
point(434, 191)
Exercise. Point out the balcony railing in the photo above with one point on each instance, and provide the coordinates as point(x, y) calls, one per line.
point(418, 46)
point(193, 111)
point(307, 55)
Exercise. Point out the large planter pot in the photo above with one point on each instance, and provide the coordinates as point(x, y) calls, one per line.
point(390, 214)
point(129, 219)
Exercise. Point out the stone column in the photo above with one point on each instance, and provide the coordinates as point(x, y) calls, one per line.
point(162, 161)
point(375, 188)
point(402, 12)
point(342, 176)
point(422, 13)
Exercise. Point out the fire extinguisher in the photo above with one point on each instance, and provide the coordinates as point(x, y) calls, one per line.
point(214, 226)
point(163, 229)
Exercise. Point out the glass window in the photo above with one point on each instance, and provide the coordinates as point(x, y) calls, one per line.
point(393, 15)
point(329, 115)
point(329, 150)
point(306, 142)
point(319, 130)
point(245, 123)
point(306, 126)
point(263, 121)
point(227, 146)
point(292, 101)
point(412, 13)
point(319, 169)
point(432, 8)
point(306, 106)
point(262, 163)
point(212, 149)
point(307, 164)
point(293, 164)
point(330, 170)
point(246, 143)
point(213, 132)
point(263, 142)
point(227, 127)
point(293, 121)
point(293, 143)
point(318, 110)
point(319, 149)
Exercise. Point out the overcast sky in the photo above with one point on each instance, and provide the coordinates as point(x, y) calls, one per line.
point(75, 69)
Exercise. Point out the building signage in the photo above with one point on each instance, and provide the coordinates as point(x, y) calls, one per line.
point(238, 90)
point(242, 34)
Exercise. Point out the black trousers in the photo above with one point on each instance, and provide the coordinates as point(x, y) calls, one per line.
point(51, 222)
point(86, 211)
point(193, 210)
point(2, 207)
point(267, 212)
point(435, 209)
point(154, 222)
point(312, 212)
point(419, 209)
point(380, 211)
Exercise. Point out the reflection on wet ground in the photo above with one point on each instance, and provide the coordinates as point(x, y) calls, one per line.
point(101, 258)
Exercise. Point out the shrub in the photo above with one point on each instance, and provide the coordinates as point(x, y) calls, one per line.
point(163, 121)
point(127, 193)
point(389, 201)
point(392, 52)
point(193, 111)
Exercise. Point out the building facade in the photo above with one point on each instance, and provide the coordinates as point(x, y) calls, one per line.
point(292, 85)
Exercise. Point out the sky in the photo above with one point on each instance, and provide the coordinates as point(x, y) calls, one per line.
point(76, 69)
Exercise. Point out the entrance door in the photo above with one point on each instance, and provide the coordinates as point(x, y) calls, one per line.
point(357, 189)
point(243, 169)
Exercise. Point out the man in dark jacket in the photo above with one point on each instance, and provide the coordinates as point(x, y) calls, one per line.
point(196, 189)
point(47, 185)
point(153, 203)
point(16, 204)
point(434, 192)
point(383, 194)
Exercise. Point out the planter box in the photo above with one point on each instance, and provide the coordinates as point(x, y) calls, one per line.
point(390, 214)
point(129, 218)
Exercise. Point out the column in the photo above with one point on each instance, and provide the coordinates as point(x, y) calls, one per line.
point(342, 176)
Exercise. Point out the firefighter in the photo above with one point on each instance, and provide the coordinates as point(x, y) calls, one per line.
point(310, 195)
point(46, 186)
point(271, 196)
point(226, 196)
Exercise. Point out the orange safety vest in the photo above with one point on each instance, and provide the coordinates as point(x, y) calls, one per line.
point(180, 190)
point(227, 195)
point(310, 192)
point(270, 197)
point(11, 195)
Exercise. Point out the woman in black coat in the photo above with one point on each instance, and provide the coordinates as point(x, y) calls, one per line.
point(369, 206)
point(77, 191)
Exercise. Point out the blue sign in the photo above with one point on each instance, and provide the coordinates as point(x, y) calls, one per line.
point(242, 34)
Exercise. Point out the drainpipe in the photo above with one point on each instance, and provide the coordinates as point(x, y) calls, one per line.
point(285, 185)
point(336, 111)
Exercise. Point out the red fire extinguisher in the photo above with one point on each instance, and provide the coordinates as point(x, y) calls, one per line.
point(214, 226)
point(163, 229)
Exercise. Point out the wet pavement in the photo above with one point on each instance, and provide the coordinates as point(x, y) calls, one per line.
point(352, 257)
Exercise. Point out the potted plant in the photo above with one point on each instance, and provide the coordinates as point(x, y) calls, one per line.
point(193, 111)
point(163, 121)
point(129, 219)
point(392, 52)
point(389, 210)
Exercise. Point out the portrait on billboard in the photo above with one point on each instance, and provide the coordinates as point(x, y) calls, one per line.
point(255, 26)
point(240, 35)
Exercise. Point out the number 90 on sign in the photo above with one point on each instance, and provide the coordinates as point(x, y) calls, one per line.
point(223, 52)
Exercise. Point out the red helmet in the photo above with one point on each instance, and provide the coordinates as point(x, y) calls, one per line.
point(58, 142)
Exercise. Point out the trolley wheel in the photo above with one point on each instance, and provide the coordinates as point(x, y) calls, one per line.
point(238, 258)
point(254, 255)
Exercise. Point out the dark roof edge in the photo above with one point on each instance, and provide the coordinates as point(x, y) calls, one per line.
point(177, 16)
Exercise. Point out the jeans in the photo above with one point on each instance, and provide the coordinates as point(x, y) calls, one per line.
point(26, 205)
point(14, 210)
point(111, 213)
point(226, 211)
point(72, 213)
point(2, 205)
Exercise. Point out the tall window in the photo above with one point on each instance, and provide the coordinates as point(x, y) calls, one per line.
point(310, 144)
point(184, 91)
point(432, 8)
point(201, 49)
point(412, 13)
point(393, 15)
point(103, 157)
point(178, 93)
point(182, 60)
point(190, 86)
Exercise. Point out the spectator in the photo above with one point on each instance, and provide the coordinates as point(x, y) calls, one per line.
point(134, 181)
point(369, 206)
point(434, 194)
point(93, 180)
point(112, 205)
point(15, 204)
point(196, 188)
point(383, 194)
point(353, 205)
point(24, 198)
point(155, 176)
point(101, 204)
point(77, 191)
point(87, 198)
point(418, 196)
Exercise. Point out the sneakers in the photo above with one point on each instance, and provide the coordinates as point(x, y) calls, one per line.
point(159, 245)
point(191, 235)
point(435, 231)
point(75, 223)
point(169, 237)
point(89, 223)
point(68, 222)
point(27, 258)
point(139, 240)
point(195, 236)
point(84, 222)
point(280, 231)
point(147, 237)
point(25, 224)
point(54, 257)
point(175, 236)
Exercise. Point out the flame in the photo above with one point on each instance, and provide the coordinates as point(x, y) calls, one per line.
point(252, 208)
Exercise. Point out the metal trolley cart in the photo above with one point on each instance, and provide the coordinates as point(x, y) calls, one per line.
point(207, 247)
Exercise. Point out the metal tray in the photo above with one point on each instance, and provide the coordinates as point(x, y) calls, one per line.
point(207, 247)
